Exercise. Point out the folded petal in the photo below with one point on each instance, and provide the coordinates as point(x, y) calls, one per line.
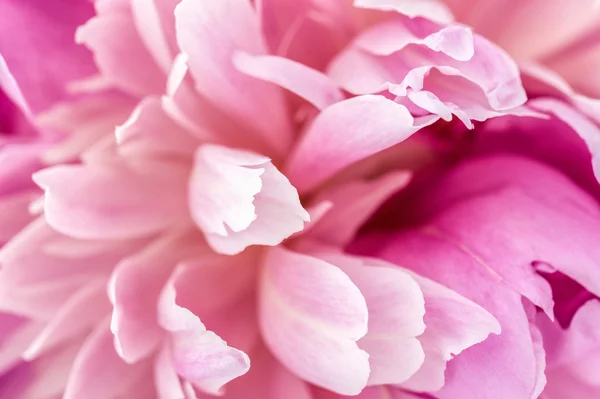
point(502, 366)
point(453, 324)
point(143, 199)
point(396, 308)
point(238, 198)
point(473, 77)
point(347, 132)
point(134, 290)
point(311, 316)
point(199, 355)
point(210, 33)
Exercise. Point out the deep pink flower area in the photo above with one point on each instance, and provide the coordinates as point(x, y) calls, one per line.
point(298, 199)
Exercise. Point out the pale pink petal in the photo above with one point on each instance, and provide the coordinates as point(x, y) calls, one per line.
point(199, 355)
point(40, 255)
point(87, 306)
point(396, 308)
point(238, 198)
point(134, 288)
point(149, 129)
point(15, 334)
point(453, 324)
point(307, 31)
point(345, 133)
point(351, 204)
point(432, 9)
point(85, 123)
point(155, 22)
point(50, 373)
point(98, 372)
point(311, 316)
point(210, 33)
point(400, 54)
point(310, 84)
point(120, 53)
point(168, 384)
point(268, 379)
point(142, 199)
point(14, 213)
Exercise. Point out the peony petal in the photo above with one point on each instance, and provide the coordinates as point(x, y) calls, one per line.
point(98, 372)
point(572, 354)
point(431, 9)
point(150, 129)
point(120, 53)
point(85, 123)
point(583, 127)
point(453, 324)
point(311, 316)
point(38, 48)
point(199, 355)
point(268, 379)
point(347, 132)
point(396, 308)
point(143, 200)
point(210, 33)
point(503, 366)
point(87, 306)
point(134, 289)
point(399, 54)
point(351, 204)
point(307, 31)
point(238, 198)
point(168, 384)
point(540, 216)
point(310, 84)
point(155, 23)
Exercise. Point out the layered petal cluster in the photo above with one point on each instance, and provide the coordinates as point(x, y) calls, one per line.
point(272, 199)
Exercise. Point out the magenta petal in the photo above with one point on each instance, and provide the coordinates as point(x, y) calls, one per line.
point(503, 366)
point(38, 47)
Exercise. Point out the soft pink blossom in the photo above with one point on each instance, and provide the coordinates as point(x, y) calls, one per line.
point(299, 199)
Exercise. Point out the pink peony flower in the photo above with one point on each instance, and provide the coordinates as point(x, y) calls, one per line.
point(271, 199)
